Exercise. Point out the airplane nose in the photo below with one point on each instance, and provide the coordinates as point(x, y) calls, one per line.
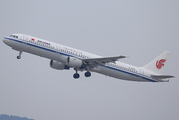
point(5, 41)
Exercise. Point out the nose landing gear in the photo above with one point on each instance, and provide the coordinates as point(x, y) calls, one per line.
point(19, 56)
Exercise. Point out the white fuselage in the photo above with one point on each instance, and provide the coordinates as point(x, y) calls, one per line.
point(59, 52)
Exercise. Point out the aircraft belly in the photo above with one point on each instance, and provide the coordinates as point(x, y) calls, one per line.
point(19, 46)
point(44, 53)
point(120, 74)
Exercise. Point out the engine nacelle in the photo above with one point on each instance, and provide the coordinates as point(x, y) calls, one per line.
point(58, 65)
point(74, 62)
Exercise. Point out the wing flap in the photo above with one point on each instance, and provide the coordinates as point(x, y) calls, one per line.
point(102, 61)
point(105, 59)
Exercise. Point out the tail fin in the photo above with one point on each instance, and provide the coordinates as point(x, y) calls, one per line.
point(157, 65)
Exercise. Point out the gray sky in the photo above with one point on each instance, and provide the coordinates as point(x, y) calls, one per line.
point(140, 29)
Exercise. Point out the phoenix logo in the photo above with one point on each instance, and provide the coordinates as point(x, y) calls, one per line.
point(160, 63)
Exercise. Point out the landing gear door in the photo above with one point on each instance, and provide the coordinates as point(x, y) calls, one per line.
point(25, 47)
point(141, 71)
point(25, 38)
point(58, 48)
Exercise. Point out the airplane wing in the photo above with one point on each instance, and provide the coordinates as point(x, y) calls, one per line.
point(97, 61)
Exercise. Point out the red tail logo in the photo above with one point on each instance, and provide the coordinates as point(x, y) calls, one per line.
point(160, 63)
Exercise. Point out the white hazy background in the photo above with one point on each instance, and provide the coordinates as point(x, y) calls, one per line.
point(140, 29)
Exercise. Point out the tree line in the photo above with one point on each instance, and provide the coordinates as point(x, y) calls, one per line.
point(11, 117)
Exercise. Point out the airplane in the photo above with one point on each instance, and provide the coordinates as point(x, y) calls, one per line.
point(63, 58)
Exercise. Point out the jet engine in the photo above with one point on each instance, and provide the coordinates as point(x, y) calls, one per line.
point(58, 65)
point(74, 62)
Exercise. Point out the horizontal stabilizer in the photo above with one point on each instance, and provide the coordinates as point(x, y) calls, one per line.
point(161, 76)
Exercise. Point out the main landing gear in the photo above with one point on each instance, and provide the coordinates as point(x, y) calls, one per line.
point(76, 75)
point(19, 56)
point(87, 74)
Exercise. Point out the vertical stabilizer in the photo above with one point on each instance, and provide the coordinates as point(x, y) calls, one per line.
point(158, 64)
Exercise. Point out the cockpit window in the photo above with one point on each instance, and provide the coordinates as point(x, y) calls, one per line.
point(14, 36)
